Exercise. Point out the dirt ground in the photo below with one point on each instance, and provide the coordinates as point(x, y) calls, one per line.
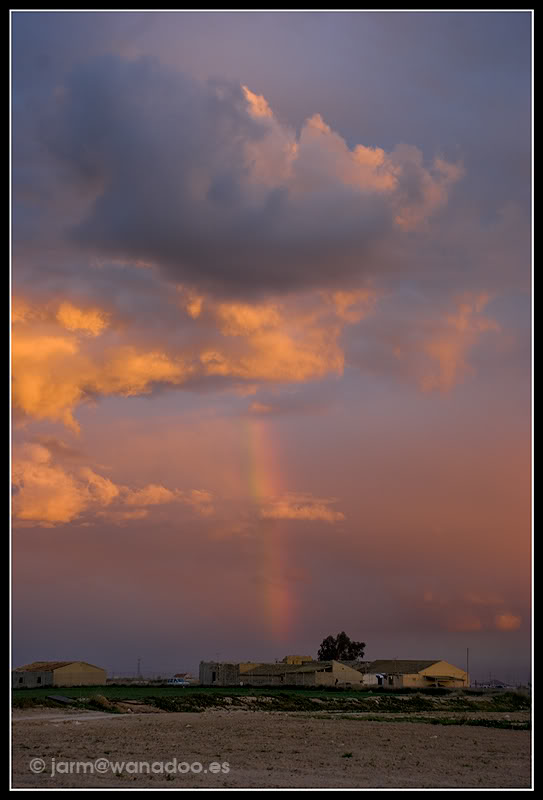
point(247, 749)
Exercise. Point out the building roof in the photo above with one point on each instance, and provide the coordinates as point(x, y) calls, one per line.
point(282, 668)
point(360, 666)
point(399, 666)
point(49, 666)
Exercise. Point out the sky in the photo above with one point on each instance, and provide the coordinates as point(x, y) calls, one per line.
point(271, 337)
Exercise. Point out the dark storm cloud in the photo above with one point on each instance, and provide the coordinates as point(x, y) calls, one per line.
point(167, 160)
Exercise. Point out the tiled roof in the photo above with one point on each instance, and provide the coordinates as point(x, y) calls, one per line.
point(48, 666)
point(44, 666)
point(282, 669)
point(399, 666)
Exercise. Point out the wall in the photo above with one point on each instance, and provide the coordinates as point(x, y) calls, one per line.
point(455, 675)
point(345, 674)
point(284, 679)
point(31, 679)
point(297, 659)
point(79, 674)
point(215, 673)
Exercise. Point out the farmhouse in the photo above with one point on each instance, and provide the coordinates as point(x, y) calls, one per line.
point(284, 673)
point(220, 673)
point(58, 673)
point(397, 673)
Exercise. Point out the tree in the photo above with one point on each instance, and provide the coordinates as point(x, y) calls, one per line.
point(340, 648)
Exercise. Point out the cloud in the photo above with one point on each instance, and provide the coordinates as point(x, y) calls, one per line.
point(58, 448)
point(100, 489)
point(283, 341)
point(274, 343)
point(434, 348)
point(92, 321)
point(450, 345)
point(201, 501)
point(507, 622)
point(289, 340)
point(470, 611)
point(149, 496)
point(301, 507)
point(165, 161)
point(353, 305)
point(48, 493)
point(55, 370)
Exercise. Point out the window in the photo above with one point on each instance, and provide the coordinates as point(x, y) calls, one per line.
point(20, 680)
point(38, 680)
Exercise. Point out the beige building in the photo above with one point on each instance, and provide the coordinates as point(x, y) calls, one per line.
point(58, 673)
point(398, 673)
point(285, 673)
point(297, 659)
point(221, 673)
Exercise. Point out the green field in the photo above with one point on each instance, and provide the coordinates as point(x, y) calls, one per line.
point(127, 692)
point(200, 698)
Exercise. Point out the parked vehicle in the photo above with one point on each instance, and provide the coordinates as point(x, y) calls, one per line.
point(177, 682)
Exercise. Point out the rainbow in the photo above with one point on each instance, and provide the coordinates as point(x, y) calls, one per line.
point(265, 482)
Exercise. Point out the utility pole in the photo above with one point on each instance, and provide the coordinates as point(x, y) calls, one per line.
point(139, 668)
point(467, 666)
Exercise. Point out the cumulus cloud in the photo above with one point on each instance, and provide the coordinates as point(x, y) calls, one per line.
point(150, 495)
point(55, 369)
point(48, 493)
point(507, 622)
point(64, 356)
point(274, 343)
point(473, 610)
point(448, 346)
point(92, 321)
point(435, 348)
point(167, 160)
point(302, 507)
point(201, 501)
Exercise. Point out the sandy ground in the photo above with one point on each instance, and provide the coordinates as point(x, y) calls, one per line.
point(259, 749)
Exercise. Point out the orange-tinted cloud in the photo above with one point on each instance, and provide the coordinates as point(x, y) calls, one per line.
point(49, 493)
point(91, 321)
point(55, 370)
point(46, 493)
point(273, 342)
point(353, 305)
point(450, 345)
point(150, 495)
point(320, 159)
point(302, 507)
point(507, 622)
point(436, 350)
point(63, 359)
